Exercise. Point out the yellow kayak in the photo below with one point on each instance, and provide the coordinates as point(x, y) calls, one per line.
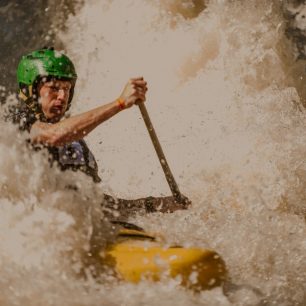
point(137, 255)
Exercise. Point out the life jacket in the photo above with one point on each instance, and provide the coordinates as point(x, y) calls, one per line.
point(75, 156)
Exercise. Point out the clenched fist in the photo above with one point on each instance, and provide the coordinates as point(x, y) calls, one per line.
point(134, 92)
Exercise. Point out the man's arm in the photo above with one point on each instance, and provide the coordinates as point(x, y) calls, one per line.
point(73, 128)
point(76, 127)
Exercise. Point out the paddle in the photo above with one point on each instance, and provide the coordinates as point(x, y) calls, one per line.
point(179, 198)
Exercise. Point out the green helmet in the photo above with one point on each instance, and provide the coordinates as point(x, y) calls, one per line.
point(37, 65)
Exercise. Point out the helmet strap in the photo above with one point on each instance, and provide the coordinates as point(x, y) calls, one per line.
point(26, 95)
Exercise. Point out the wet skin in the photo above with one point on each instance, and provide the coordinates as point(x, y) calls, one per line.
point(54, 97)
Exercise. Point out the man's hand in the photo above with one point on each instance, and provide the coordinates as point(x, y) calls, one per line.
point(134, 91)
point(166, 204)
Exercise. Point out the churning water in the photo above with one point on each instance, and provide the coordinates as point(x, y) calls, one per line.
point(226, 98)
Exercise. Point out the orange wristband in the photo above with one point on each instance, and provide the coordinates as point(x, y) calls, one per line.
point(121, 103)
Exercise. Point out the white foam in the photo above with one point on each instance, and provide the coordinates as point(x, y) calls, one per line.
point(223, 99)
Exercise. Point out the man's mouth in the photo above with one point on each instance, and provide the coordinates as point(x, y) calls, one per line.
point(56, 110)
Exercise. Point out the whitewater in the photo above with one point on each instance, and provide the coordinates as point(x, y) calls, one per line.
point(226, 99)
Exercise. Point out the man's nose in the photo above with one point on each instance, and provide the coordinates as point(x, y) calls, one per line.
point(61, 94)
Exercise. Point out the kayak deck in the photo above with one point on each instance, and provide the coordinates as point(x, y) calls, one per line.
point(137, 255)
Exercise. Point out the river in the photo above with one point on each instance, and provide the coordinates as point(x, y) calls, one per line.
point(226, 97)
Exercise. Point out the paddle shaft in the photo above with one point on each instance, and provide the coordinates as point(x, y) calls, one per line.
point(161, 156)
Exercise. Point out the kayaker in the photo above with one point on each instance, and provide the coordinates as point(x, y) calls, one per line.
point(46, 80)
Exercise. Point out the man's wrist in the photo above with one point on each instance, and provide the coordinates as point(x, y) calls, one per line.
point(121, 103)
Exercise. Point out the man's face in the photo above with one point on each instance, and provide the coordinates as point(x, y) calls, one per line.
point(54, 97)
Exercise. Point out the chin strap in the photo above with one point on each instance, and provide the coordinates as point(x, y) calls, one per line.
point(26, 95)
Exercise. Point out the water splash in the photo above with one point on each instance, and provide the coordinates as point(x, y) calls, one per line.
point(225, 101)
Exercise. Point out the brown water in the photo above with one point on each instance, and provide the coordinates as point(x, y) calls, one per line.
point(226, 99)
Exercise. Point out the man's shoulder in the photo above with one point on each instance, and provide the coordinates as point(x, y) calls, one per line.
point(22, 116)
